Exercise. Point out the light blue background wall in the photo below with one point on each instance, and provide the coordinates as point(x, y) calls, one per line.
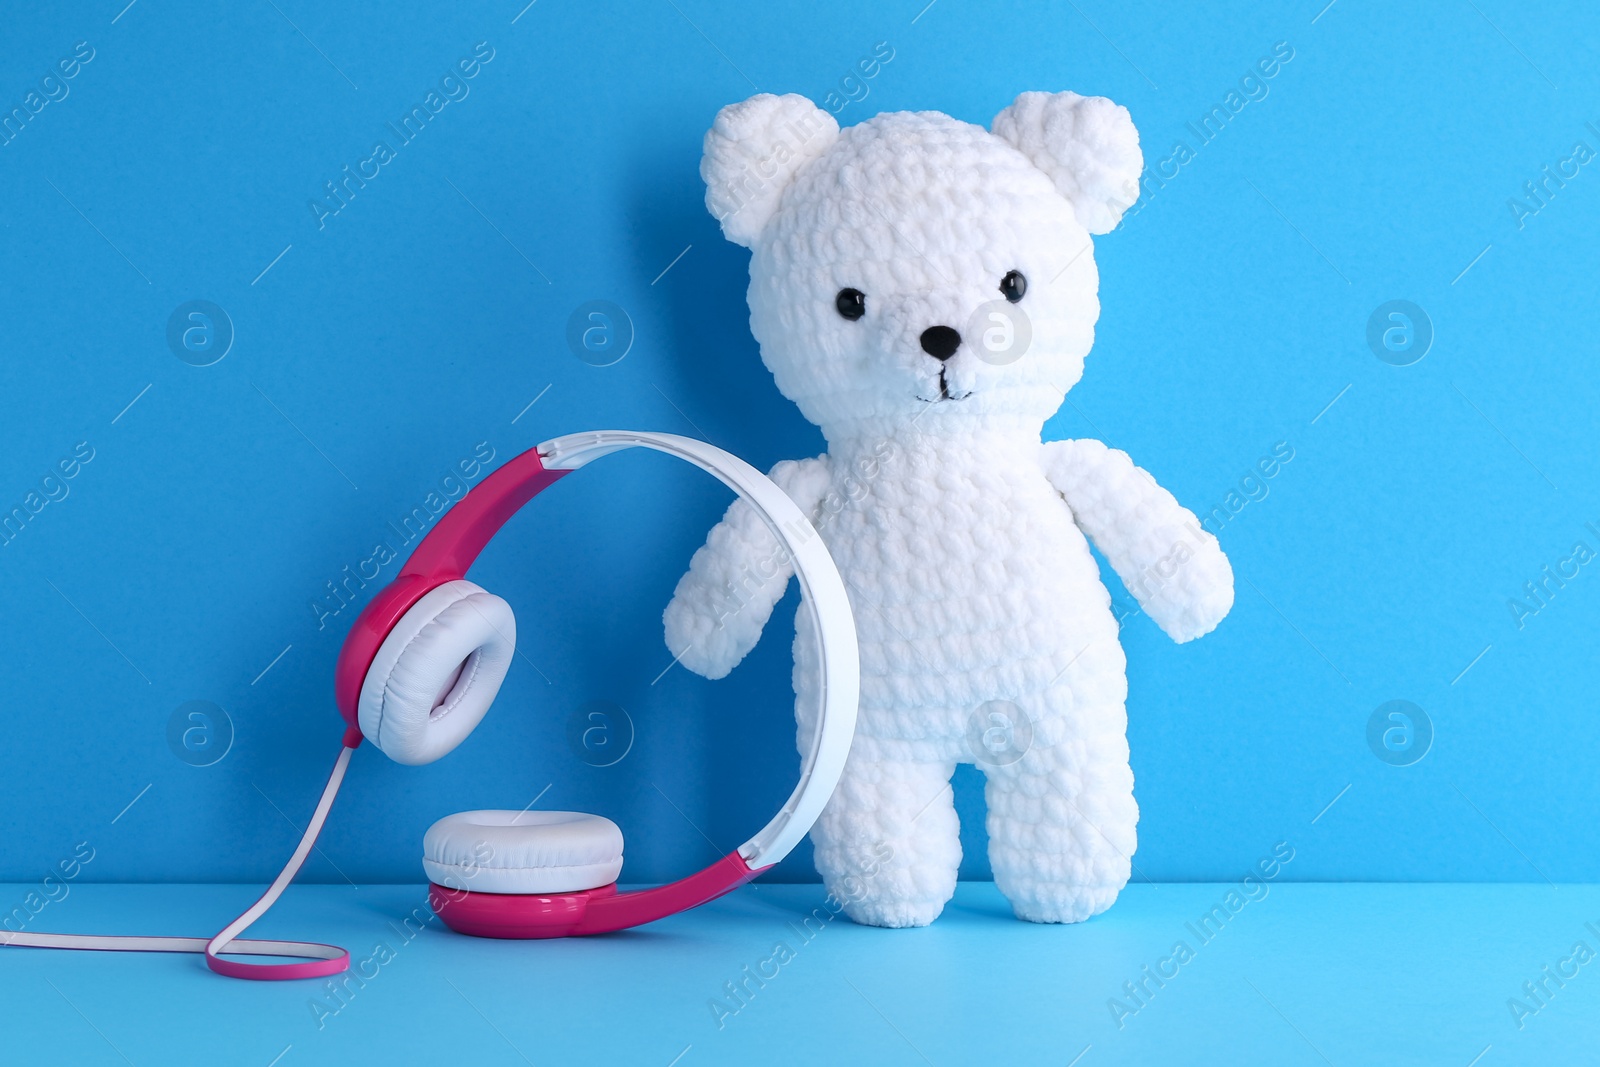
point(378, 351)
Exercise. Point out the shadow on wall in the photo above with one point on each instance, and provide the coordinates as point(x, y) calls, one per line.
point(713, 385)
point(716, 374)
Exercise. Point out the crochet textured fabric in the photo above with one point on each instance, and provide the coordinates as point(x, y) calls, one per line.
point(926, 291)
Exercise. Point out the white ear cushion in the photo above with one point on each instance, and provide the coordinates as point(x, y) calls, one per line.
point(437, 673)
point(522, 851)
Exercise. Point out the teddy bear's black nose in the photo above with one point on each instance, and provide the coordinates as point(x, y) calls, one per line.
point(940, 342)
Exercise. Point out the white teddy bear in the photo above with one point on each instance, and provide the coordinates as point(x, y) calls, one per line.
point(925, 290)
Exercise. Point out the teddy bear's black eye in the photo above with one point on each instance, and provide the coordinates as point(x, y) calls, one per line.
point(1014, 286)
point(852, 303)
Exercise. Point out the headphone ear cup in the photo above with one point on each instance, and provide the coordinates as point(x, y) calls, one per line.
point(437, 672)
point(522, 852)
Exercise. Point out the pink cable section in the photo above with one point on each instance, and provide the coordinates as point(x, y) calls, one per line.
point(318, 960)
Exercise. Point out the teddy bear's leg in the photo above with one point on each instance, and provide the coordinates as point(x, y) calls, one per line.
point(888, 843)
point(1061, 822)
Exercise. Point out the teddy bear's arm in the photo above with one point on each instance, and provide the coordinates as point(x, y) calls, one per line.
point(1173, 567)
point(736, 578)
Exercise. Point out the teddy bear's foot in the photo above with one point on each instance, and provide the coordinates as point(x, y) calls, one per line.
point(1062, 904)
point(894, 914)
point(1061, 825)
point(887, 844)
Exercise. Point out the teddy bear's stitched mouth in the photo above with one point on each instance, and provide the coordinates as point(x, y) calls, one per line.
point(944, 392)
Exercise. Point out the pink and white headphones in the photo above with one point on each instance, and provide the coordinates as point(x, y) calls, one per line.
point(421, 666)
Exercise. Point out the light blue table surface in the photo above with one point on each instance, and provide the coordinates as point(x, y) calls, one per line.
point(1307, 974)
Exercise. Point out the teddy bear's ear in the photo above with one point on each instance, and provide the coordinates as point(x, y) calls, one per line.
point(1086, 144)
point(752, 153)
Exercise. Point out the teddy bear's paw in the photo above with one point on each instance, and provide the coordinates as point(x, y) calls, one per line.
point(1199, 600)
point(1063, 904)
point(1208, 609)
point(709, 647)
point(894, 914)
